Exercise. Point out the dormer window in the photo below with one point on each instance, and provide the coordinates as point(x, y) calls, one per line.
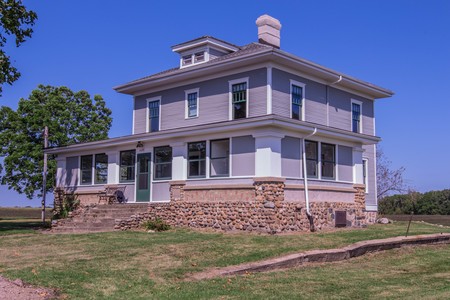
point(187, 60)
point(202, 50)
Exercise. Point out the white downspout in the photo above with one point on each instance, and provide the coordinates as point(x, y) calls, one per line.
point(305, 177)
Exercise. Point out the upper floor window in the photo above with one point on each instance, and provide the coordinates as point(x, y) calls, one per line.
point(199, 57)
point(127, 165)
point(163, 162)
point(219, 158)
point(192, 103)
point(187, 60)
point(356, 116)
point(312, 158)
point(297, 95)
point(328, 155)
point(239, 101)
point(197, 159)
point(153, 115)
point(94, 169)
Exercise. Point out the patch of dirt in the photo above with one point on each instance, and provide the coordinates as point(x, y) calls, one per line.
point(18, 290)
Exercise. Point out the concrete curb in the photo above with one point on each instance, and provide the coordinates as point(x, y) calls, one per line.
point(331, 255)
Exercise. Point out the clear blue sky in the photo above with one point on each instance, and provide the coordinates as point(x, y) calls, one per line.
point(400, 45)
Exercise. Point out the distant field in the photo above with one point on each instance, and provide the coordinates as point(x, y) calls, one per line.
point(432, 219)
point(13, 213)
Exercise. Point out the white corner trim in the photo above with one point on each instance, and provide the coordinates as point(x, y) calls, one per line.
point(269, 89)
point(134, 114)
point(230, 95)
point(186, 108)
point(303, 86)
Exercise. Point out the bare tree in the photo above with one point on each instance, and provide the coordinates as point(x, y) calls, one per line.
point(388, 180)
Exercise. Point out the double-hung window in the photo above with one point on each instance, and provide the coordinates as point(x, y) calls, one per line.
point(94, 169)
point(219, 158)
point(153, 115)
point(297, 90)
point(328, 155)
point(101, 168)
point(127, 165)
point(192, 103)
point(163, 163)
point(239, 100)
point(86, 169)
point(197, 159)
point(312, 158)
point(356, 116)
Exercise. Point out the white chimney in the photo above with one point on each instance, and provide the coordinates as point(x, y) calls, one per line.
point(269, 30)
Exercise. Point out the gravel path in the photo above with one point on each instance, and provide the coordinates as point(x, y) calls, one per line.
point(18, 290)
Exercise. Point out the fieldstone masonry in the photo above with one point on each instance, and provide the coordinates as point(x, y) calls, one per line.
point(266, 212)
point(260, 207)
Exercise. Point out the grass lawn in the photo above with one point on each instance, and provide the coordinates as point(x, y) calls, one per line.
point(139, 265)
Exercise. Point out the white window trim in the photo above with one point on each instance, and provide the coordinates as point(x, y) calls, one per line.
point(319, 162)
point(360, 103)
point(303, 86)
point(92, 170)
point(147, 122)
point(230, 96)
point(186, 107)
point(366, 180)
point(191, 53)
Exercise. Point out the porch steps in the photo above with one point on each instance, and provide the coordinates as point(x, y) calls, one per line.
point(100, 218)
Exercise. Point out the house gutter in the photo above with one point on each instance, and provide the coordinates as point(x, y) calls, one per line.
point(305, 182)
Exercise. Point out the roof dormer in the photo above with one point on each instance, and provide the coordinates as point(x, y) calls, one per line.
point(202, 50)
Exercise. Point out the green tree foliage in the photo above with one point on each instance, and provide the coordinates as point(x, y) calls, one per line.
point(15, 20)
point(71, 118)
point(429, 203)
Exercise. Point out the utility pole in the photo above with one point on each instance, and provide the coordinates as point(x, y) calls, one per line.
point(44, 175)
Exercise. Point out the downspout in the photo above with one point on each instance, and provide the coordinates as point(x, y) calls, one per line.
point(305, 181)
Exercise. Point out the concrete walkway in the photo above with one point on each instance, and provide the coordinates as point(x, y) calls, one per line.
point(331, 255)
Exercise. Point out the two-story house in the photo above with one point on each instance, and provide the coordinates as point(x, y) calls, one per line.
point(233, 125)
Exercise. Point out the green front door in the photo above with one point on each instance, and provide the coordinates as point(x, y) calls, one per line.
point(143, 177)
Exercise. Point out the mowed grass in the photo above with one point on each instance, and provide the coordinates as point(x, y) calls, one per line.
point(15, 220)
point(139, 265)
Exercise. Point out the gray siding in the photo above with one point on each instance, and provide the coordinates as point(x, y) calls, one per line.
point(315, 97)
point(345, 163)
point(72, 171)
point(340, 111)
point(291, 157)
point(160, 191)
point(243, 156)
point(214, 103)
point(213, 53)
point(316, 94)
point(369, 154)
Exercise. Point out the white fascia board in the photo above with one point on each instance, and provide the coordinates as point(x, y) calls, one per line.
point(204, 41)
point(267, 121)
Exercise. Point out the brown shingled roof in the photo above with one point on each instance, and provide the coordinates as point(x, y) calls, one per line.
point(247, 49)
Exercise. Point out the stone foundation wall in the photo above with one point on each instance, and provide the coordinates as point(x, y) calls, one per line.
point(256, 216)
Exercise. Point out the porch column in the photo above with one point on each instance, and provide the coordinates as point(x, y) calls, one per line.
point(268, 154)
point(61, 171)
point(358, 165)
point(179, 162)
point(113, 167)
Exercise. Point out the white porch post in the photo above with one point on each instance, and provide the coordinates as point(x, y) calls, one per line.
point(268, 154)
point(113, 167)
point(61, 171)
point(358, 165)
point(179, 163)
